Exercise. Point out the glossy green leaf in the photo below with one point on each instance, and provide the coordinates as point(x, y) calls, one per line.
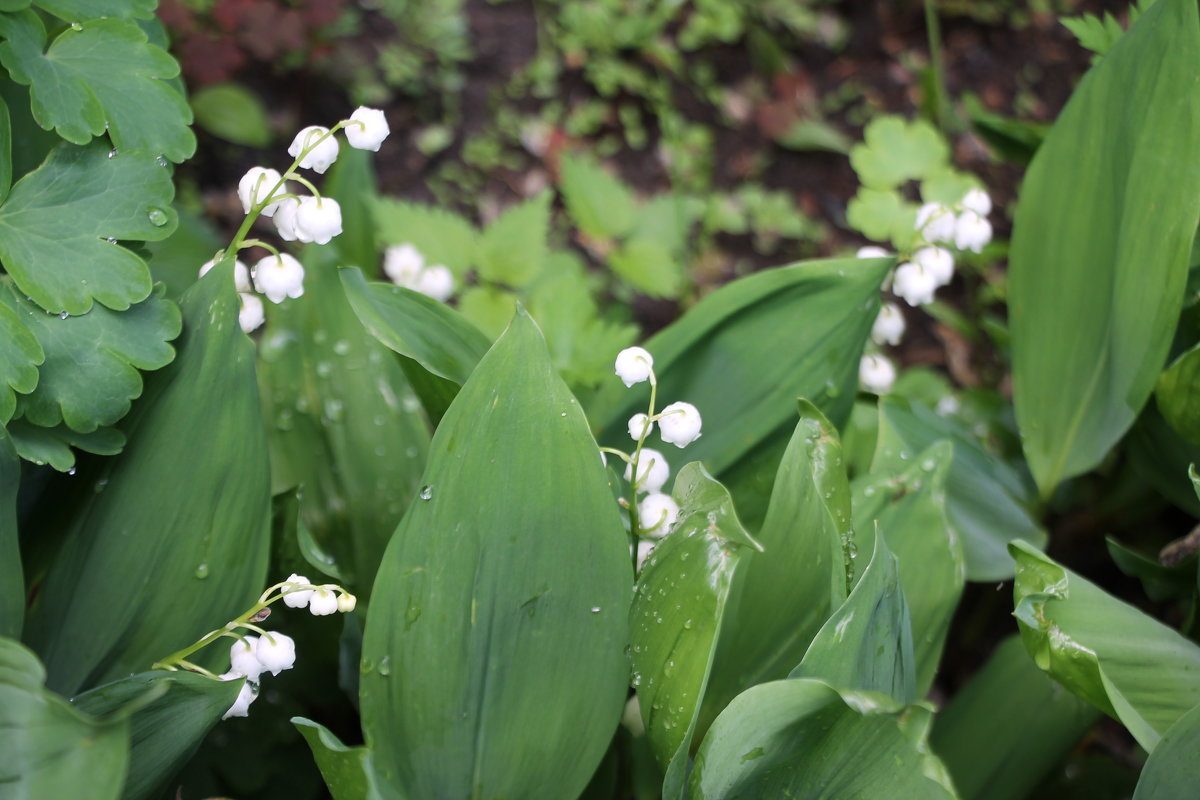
point(347, 771)
point(232, 112)
point(187, 502)
point(802, 738)
point(164, 732)
point(1117, 658)
point(1161, 457)
point(987, 501)
point(54, 226)
point(907, 504)
point(512, 248)
point(20, 356)
point(1008, 727)
point(53, 445)
point(100, 76)
point(895, 150)
point(50, 749)
point(678, 606)
point(442, 237)
point(746, 352)
point(866, 644)
point(343, 424)
point(504, 590)
point(90, 373)
point(1100, 244)
point(352, 183)
point(12, 579)
point(648, 266)
point(1171, 772)
point(74, 10)
point(781, 597)
point(599, 204)
point(1176, 394)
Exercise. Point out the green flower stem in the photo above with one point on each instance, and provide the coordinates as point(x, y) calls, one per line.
point(637, 454)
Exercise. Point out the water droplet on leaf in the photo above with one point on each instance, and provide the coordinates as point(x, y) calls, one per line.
point(426, 493)
point(202, 571)
point(157, 217)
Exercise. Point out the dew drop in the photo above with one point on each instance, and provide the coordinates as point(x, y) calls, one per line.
point(100, 484)
point(426, 493)
point(111, 240)
point(71, 471)
point(157, 217)
point(595, 609)
point(63, 315)
point(201, 571)
point(161, 160)
point(341, 347)
point(75, 26)
point(385, 666)
point(112, 153)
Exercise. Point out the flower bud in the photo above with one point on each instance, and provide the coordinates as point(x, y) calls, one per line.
point(633, 365)
point(935, 222)
point(679, 424)
point(876, 374)
point(247, 695)
point(293, 596)
point(656, 514)
point(250, 315)
point(367, 129)
point(402, 263)
point(279, 277)
point(243, 660)
point(276, 651)
point(937, 262)
point(639, 426)
point(436, 282)
point(241, 274)
point(889, 325)
point(914, 284)
point(257, 186)
point(346, 603)
point(319, 157)
point(322, 603)
point(972, 231)
point(652, 473)
point(318, 219)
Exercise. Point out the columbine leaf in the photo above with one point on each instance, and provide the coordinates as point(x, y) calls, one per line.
point(6, 164)
point(90, 374)
point(100, 75)
point(54, 226)
point(894, 151)
point(882, 215)
point(513, 247)
point(20, 355)
point(75, 10)
point(53, 445)
point(12, 579)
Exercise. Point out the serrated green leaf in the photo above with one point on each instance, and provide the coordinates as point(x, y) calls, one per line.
point(488, 308)
point(166, 730)
point(50, 749)
point(493, 607)
point(232, 112)
point(98, 76)
point(883, 216)
point(512, 248)
point(187, 502)
point(76, 10)
point(666, 219)
point(1098, 265)
point(55, 222)
point(1176, 394)
point(90, 373)
point(53, 445)
point(1096, 33)
point(20, 356)
point(1115, 657)
point(1171, 772)
point(648, 267)
point(12, 579)
point(802, 738)
point(442, 237)
point(599, 204)
point(894, 151)
point(346, 770)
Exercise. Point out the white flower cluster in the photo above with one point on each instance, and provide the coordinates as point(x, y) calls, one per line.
point(309, 218)
point(405, 266)
point(271, 651)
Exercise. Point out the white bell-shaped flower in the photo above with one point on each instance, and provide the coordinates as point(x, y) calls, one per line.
point(889, 325)
point(285, 219)
point(656, 514)
point(367, 129)
point(243, 659)
point(402, 263)
point(633, 365)
point(436, 281)
point(322, 603)
point(293, 596)
point(938, 262)
point(913, 284)
point(259, 185)
point(279, 277)
point(679, 424)
point(276, 651)
point(246, 696)
point(872, 251)
point(318, 219)
point(644, 548)
point(972, 232)
point(322, 155)
point(631, 717)
point(935, 222)
point(241, 274)
point(652, 473)
point(639, 426)
point(876, 374)
point(251, 315)
point(346, 603)
point(977, 200)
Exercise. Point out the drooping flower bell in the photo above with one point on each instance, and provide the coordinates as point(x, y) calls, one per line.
point(877, 374)
point(679, 424)
point(366, 129)
point(652, 473)
point(259, 185)
point(276, 651)
point(633, 365)
point(318, 219)
point(889, 325)
point(914, 284)
point(320, 157)
point(657, 513)
point(935, 222)
point(250, 315)
point(279, 277)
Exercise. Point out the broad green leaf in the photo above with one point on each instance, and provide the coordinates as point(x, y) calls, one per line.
point(75, 10)
point(20, 356)
point(647, 266)
point(1171, 772)
point(53, 445)
point(346, 770)
point(187, 502)
point(100, 76)
point(352, 183)
point(1008, 727)
point(1125, 663)
point(50, 749)
point(1158, 455)
point(342, 422)
point(90, 374)
point(174, 261)
point(987, 502)
point(803, 738)
point(866, 645)
point(6, 164)
point(442, 237)
point(1100, 245)
point(164, 732)
point(1160, 581)
point(512, 248)
point(13, 5)
point(1176, 394)
point(232, 112)
point(599, 204)
point(746, 352)
point(906, 503)
point(678, 605)
point(59, 226)
point(894, 151)
point(504, 590)
point(12, 579)
point(488, 308)
point(781, 597)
